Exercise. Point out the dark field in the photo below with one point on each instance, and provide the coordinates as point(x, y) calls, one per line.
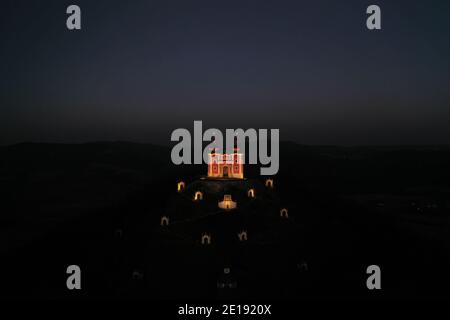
point(99, 206)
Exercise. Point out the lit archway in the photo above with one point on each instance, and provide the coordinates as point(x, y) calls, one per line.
point(269, 183)
point(284, 213)
point(242, 236)
point(180, 186)
point(251, 193)
point(227, 203)
point(164, 221)
point(198, 196)
point(206, 239)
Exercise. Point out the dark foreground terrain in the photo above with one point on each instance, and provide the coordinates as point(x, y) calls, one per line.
point(99, 206)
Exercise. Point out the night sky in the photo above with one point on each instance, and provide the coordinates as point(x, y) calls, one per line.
point(139, 69)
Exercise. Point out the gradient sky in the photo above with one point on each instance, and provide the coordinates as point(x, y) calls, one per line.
point(139, 69)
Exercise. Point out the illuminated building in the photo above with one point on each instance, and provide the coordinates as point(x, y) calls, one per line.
point(226, 165)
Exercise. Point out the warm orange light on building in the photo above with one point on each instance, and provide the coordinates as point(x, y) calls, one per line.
point(227, 203)
point(180, 186)
point(226, 165)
